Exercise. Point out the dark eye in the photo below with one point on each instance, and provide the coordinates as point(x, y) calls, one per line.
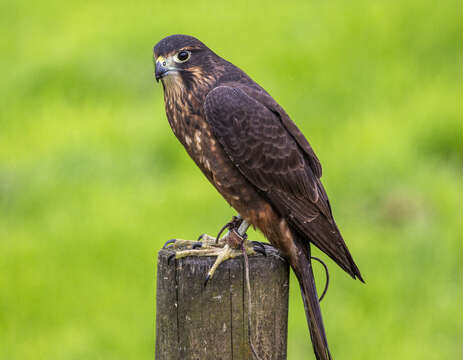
point(182, 56)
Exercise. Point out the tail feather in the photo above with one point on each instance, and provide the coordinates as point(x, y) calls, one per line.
point(303, 270)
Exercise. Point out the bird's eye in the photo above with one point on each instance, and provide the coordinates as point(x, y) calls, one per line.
point(182, 56)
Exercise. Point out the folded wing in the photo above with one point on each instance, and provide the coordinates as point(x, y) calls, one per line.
point(275, 159)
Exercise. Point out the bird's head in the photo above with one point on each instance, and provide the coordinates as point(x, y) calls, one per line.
point(182, 61)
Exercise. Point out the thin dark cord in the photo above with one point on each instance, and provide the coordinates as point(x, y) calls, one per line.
point(327, 277)
point(248, 285)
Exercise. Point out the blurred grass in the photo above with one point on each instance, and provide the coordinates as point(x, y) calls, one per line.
point(92, 181)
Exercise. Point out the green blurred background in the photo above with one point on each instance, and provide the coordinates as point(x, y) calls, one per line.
point(92, 181)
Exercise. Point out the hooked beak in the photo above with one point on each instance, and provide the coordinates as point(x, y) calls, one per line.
point(160, 70)
point(163, 67)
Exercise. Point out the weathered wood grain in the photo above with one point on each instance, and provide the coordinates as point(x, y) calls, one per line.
point(194, 322)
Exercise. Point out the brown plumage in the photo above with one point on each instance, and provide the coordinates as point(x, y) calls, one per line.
point(256, 157)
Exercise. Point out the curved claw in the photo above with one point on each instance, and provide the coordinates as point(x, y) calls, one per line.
point(200, 237)
point(207, 279)
point(171, 241)
point(259, 247)
point(171, 256)
point(197, 244)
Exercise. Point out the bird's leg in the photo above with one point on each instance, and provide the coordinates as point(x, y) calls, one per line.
point(236, 241)
point(224, 248)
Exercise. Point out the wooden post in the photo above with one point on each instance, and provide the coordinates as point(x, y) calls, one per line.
point(194, 322)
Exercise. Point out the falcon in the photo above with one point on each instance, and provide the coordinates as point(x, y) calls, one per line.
point(257, 159)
